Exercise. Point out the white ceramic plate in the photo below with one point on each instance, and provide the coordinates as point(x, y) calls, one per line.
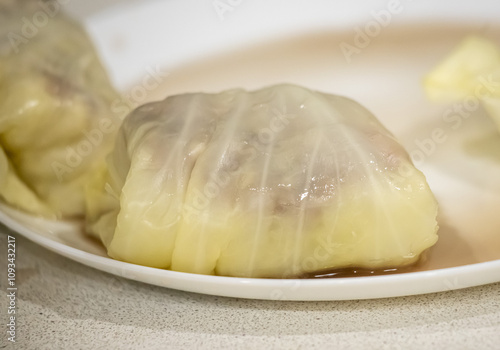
point(376, 53)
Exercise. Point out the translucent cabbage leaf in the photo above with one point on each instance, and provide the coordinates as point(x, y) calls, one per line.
point(471, 71)
point(56, 124)
point(278, 182)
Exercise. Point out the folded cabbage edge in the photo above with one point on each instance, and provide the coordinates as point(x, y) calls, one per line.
point(274, 183)
point(471, 72)
point(56, 121)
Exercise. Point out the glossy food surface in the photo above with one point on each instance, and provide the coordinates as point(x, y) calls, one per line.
point(276, 182)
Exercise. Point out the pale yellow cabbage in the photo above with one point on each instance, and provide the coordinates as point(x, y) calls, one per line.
point(56, 124)
point(471, 71)
point(278, 182)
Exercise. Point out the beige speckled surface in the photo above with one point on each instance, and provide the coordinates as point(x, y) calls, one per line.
point(65, 305)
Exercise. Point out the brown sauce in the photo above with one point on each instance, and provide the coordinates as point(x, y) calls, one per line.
point(366, 272)
point(355, 272)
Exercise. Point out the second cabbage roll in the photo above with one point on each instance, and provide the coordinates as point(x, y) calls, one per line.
point(56, 122)
point(280, 182)
point(470, 73)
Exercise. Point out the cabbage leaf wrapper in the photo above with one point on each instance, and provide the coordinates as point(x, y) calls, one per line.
point(470, 72)
point(274, 183)
point(56, 122)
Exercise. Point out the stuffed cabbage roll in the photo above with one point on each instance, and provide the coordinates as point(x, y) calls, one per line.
point(470, 73)
point(56, 124)
point(279, 182)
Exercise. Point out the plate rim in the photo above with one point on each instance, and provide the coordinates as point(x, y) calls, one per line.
point(372, 287)
point(329, 289)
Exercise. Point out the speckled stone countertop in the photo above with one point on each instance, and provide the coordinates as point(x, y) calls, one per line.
point(62, 304)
